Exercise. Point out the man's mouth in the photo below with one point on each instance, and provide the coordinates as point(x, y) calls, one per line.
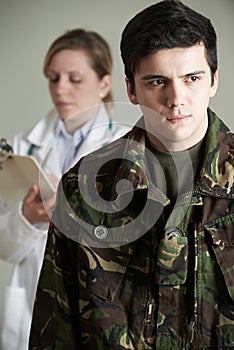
point(177, 118)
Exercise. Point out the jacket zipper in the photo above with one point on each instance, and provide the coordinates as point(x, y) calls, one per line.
point(150, 306)
point(149, 312)
point(194, 321)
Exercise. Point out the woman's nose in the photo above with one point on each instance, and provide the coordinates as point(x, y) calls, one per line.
point(62, 86)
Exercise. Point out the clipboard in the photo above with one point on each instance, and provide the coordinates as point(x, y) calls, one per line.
point(18, 174)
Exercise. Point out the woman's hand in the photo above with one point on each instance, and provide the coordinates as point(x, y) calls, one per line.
point(35, 209)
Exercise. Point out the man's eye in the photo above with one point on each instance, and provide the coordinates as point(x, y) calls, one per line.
point(193, 78)
point(157, 82)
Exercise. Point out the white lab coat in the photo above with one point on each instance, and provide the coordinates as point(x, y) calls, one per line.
point(23, 244)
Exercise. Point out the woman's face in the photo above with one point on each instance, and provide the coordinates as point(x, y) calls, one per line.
point(74, 86)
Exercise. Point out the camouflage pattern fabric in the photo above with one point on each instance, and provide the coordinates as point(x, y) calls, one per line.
point(170, 288)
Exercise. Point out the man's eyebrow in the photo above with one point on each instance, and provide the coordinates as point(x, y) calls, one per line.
point(197, 72)
point(152, 76)
point(157, 76)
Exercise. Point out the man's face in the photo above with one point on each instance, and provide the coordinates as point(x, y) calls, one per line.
point(173, 88)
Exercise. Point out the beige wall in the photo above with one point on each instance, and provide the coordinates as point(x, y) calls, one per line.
point(27, 27)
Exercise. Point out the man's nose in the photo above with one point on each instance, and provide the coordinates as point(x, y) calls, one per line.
point(176, 94)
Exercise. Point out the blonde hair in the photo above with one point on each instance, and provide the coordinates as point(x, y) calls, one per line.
point(95, 46)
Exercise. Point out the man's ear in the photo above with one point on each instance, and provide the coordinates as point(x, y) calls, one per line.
point(131, 92)
point(215, 84)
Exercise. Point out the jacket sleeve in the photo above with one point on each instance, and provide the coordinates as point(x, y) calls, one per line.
point(18, 236)
point(55, 322)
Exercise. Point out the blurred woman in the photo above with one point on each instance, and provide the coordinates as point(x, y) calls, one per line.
point(78, 66)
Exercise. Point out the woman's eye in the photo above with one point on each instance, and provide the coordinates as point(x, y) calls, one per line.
point(75, 80)
point(53, 79)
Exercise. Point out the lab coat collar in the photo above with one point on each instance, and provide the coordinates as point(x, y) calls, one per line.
point(44, 130)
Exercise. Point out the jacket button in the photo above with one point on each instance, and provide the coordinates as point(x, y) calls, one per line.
point(100, 232)
point(173, 234)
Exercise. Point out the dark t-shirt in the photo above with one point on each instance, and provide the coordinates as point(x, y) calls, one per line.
point(173, 172)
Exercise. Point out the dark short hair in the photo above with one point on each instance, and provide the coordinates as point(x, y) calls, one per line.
point(165, 25)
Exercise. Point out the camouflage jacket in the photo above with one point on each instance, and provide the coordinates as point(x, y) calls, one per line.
point(116, 277)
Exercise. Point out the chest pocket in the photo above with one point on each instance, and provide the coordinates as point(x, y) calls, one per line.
point(221, 232)
point(101, 270)
point(172, 261)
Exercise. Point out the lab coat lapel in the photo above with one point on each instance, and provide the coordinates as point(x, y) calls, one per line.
point(99, 134)
point(43, 137)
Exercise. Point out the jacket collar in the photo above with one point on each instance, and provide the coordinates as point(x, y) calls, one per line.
point(44, 129)
point(133, 167)
point(217, 172)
